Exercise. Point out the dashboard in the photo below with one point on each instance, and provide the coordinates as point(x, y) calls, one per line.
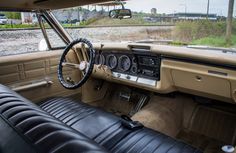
point(166, 69)
point(140, 67)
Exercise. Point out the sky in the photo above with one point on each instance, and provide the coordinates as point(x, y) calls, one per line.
point(219, 7)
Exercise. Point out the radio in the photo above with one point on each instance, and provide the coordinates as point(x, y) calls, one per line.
point(149, 66)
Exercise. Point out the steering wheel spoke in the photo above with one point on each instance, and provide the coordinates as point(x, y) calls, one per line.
point(85, 56)
point(70, 65)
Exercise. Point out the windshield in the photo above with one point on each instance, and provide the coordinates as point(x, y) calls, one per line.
point(2, 17)
point(196, 24)
point(174, 22)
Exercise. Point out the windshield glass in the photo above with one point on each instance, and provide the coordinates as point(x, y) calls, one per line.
point(174, 22)
point(2, 17)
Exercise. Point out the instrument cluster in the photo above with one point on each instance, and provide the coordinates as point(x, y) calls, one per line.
point(144, 65)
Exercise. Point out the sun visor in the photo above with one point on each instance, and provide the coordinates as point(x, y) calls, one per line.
point(31, 5)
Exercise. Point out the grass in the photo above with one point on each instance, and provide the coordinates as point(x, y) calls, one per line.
point(135, 20)
point(195, 33)
point(214, 41)
point(104, 21)
point(107, 21)
point(203, 32)
point(9, 26)
point(188, 31)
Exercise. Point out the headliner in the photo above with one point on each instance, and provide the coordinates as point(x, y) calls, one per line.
point(32, 5)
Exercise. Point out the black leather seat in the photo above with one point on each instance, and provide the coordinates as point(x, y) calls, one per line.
point(112, 132)
point(25, 128)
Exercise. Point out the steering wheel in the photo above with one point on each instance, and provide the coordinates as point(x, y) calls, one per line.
point(86, 59)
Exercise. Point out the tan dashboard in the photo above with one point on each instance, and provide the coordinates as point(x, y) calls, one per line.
point(207, 80)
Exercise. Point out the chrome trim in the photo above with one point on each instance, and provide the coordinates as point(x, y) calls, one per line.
point(32, 85)
point(136, 79)
point(147, 81)
point(125, 76)
point(54, 23)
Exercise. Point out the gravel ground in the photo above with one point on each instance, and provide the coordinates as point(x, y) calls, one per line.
point(24, 41)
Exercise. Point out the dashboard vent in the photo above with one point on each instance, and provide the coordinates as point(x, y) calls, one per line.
point(140, 48)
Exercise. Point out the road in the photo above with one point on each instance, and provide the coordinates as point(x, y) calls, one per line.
point(24, 41)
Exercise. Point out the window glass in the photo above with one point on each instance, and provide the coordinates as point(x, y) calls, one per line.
point(54, 39)
point(17, 33)
point(172, 22)
point(20, 33)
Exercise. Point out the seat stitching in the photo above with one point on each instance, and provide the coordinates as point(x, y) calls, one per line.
point(42, 124)
point(183, 148)
point(11, 106)
point(9, 101)
point(55, 132)
point(50, 104)
point(154, 137)
point(87, 115)
point(64, 109)
point(106, 129)
point(129, 136)
point(54, 104)
point(59, 104)
point(133, 144)
point(25, 138)
point(79, 114)
point(165, 139)
point(23, 110)
point(176, 142)
point(102, 141)
point(73, 111)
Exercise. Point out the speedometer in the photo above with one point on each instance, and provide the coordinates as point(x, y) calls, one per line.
point(111, 61)
point(124, 63)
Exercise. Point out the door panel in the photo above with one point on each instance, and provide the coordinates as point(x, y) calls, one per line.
point(28, 70)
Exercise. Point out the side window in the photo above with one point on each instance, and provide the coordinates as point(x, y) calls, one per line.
point(54, 40)
point(20, 33)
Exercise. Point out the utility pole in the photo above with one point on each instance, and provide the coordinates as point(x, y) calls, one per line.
point(229, 22)
point(185, 9)
point(208, 7)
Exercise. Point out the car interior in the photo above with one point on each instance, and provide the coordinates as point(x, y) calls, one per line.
point(114, 97)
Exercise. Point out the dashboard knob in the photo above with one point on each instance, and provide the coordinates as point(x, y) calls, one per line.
point(127, 77)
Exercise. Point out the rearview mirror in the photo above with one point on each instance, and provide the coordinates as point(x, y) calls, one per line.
point(120, 14)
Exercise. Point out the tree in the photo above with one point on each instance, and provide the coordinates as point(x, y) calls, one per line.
point(13, 15)
point(229, 22)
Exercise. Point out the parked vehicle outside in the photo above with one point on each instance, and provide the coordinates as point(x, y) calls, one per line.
point(3, 19)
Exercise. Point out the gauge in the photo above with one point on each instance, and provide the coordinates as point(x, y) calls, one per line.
point(100, 59)
point(111, 61)
point(124, 63)
point(134, 69)
point(134, 60)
